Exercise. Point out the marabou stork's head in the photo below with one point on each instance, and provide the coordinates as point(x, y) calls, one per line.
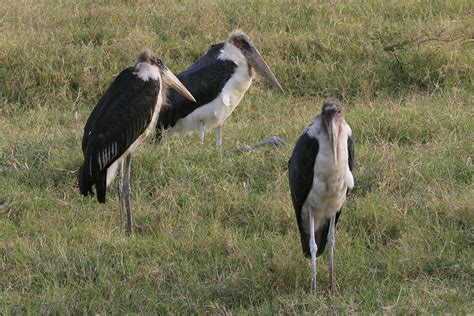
point(169, 79)
point(332, 119)
point(240, 40)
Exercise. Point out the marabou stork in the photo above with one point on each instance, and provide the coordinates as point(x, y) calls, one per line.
point(121, 120)
point(218, 81)
point(320, 174)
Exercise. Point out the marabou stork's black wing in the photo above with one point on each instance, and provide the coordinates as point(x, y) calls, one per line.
point(300, 176)
point(350, 149)
point(120, 117)
point(204, 79)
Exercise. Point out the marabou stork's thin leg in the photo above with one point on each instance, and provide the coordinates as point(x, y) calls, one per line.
point(331, 243)
point(127, 193)
point(313, 247)
point(219, 137)
point(201, 131)
point(121, 198)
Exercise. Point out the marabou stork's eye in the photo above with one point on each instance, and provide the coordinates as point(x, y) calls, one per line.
point(156, 61)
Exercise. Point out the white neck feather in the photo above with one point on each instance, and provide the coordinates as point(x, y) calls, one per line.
point(230, 52)
point(145, 71)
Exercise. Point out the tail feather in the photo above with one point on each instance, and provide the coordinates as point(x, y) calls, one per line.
point(85, 182)
point(305, 244)
point(321, 236)
point(94, 177)
point(101, 186)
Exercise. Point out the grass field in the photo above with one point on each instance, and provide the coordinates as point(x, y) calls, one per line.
point(215, 230)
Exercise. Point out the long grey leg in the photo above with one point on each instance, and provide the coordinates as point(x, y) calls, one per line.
point(331, 243)
point(201, 132)
point(127, 192)
point(313, 247)
point(219, 137)
point(121, 198)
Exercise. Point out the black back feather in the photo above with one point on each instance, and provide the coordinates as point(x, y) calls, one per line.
point(119, 118)
point(204, 79)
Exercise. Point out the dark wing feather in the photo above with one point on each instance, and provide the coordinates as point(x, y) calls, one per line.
point(350, 149)
point(120, 117)
point(204, 79)
point(114, 93)
point(300, 176)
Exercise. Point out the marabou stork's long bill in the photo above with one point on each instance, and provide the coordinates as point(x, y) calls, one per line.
point(320, 174)
point(121, 120)
point(218, 81)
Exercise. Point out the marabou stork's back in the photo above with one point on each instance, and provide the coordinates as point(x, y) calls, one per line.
point(121, 120)
point(218, 81)
point(320, 174)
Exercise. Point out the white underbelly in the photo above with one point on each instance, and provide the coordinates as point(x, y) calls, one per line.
point(211, 115)
point(324, 202)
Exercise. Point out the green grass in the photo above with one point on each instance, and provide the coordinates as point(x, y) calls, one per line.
point(215, 230)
